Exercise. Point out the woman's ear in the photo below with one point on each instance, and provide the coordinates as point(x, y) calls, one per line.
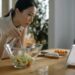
point(17, 12)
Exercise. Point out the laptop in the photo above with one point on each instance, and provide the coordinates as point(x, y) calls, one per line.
point(71, 57)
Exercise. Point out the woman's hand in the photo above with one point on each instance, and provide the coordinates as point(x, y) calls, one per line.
point(28, 40)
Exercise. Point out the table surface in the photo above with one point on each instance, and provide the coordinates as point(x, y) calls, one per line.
point(54, 67)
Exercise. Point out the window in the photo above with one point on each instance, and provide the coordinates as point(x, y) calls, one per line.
point(10, 4)
point(40, 24)
point(45, 2)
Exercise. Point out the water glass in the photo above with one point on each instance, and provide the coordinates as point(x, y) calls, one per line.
point(42, 70)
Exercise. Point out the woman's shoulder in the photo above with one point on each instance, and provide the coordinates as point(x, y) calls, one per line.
point(4, 22)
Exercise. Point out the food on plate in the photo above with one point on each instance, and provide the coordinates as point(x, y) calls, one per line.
point(50, 54)
point(61, 51)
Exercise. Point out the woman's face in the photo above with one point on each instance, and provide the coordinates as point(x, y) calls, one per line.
point(26, 16)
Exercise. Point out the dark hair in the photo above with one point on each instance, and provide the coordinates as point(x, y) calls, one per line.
point(22, 5)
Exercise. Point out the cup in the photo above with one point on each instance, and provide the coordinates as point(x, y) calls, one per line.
point(42, 70)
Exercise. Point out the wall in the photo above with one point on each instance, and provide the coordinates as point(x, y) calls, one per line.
point(73, 18)
point(51, 26)
point(63, 26)
point(63, 23)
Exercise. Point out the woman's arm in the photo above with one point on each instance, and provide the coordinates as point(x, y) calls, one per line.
point(2, 42)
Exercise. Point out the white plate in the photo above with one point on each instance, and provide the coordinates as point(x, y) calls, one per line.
point(49, 53)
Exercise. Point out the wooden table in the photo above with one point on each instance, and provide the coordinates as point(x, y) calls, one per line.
point(51, 66)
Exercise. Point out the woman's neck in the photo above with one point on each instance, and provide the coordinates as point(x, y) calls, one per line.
point(15, 22)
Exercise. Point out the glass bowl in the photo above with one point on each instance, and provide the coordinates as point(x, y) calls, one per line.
point(20, 58)
point(23, 57)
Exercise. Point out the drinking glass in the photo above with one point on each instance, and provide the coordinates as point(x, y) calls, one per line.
point(42, 70)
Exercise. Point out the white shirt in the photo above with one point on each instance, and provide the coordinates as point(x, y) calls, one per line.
point(7, 32)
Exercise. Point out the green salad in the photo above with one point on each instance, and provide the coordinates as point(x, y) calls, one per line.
point(22, 60)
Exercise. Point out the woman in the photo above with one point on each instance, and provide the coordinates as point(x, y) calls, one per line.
point(14, 24)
